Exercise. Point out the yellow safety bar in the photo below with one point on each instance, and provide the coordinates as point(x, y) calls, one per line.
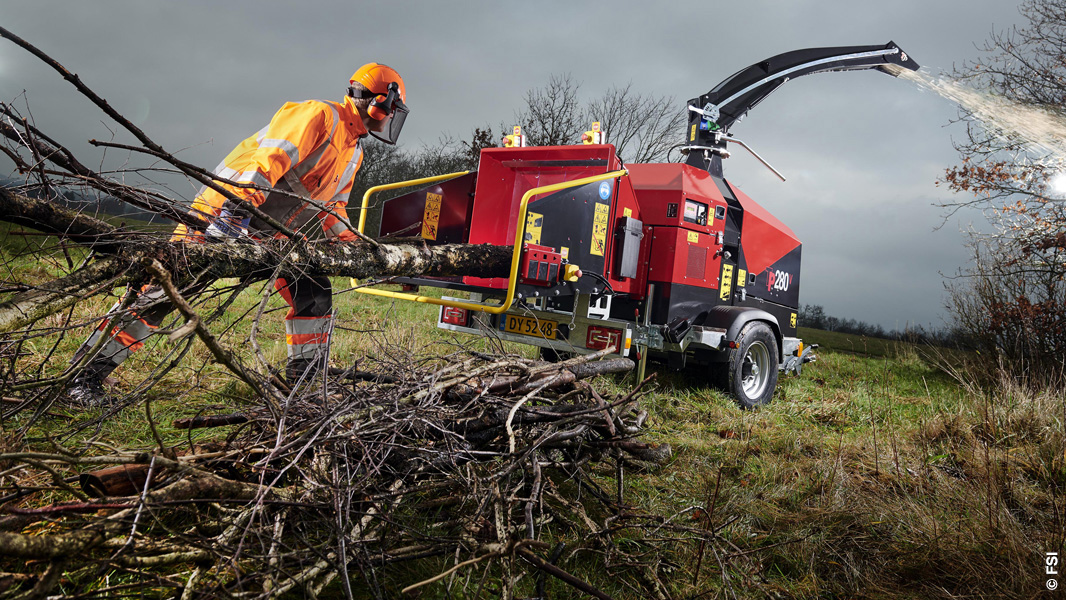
point(512, 278)
point(400, 184)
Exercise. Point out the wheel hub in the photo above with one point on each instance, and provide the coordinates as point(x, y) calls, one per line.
point(755, 371)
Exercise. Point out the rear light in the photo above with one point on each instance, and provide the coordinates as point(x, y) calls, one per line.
point(454, 316)
point(599, 338)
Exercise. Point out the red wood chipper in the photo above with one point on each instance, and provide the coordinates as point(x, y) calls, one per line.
point(668, 262)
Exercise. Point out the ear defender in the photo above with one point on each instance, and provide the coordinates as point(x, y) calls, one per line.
point(383, 105)
point(375, 109)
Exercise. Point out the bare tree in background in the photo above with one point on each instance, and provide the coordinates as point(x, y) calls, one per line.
point(642, 127)
point(1004, 169)
point(1016, 294)
point(553, 115)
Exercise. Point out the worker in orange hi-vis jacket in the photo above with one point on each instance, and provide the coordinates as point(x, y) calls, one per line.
point(303, 165)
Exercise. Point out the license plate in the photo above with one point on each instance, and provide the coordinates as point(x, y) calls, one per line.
point(530, 326)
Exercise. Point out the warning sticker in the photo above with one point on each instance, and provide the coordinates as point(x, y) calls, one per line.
point(727, 282)
point(599, 230)
point(742, 277)
point(693, 237)
point(534, 223)
point(431, 216)
point(627, 212)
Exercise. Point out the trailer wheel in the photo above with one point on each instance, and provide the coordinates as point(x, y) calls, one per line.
point(751, 372)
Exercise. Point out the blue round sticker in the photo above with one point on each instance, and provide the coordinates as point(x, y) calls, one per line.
point(605, 190)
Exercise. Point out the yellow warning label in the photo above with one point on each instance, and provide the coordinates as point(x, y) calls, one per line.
point(564, 252)
point(534, 223)
point(599, 230)
point(627, 212)
point(727, 282)
point(692, 138)
point(793, 319)
point(431, 216)
point(742, 278)
point(693, 237)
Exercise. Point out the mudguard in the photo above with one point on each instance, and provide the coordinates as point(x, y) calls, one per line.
point(734, 318)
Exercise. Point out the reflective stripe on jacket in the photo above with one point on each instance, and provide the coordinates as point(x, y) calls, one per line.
point(311, 149)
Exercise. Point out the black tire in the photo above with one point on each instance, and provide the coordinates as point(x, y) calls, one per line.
point(751, 372)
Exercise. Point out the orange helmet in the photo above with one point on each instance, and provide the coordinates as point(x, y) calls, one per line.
point(385, 86)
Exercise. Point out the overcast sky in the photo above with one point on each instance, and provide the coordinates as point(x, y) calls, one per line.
point(862, 151)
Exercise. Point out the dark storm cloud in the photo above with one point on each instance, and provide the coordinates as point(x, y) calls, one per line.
point(862, 151)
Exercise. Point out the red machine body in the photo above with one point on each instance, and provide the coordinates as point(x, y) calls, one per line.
point(669, 258)
point(699, 240)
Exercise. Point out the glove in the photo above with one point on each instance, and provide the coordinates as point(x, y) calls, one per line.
point(228, 225)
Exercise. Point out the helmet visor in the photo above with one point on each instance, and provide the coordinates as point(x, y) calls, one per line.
point(392, 130)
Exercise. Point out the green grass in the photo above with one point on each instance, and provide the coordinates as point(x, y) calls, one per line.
point(868, 471)
point(872, 475)
point(843, 342)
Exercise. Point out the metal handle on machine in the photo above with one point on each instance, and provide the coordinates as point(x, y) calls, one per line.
point(687, 149)
point(399, 184)
point(756, 155)
point(512, 278)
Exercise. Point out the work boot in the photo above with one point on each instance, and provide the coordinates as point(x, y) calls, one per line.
point(87, 389)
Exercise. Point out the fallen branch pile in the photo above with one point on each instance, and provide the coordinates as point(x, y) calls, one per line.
point(489, 470)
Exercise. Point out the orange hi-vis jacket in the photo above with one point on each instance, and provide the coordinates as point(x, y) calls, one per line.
point(310, 149)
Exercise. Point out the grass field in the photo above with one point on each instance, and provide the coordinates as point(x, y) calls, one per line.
point(853, 344)
point(873, 475)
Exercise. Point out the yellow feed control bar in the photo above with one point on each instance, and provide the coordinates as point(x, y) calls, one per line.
point(512, 279)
